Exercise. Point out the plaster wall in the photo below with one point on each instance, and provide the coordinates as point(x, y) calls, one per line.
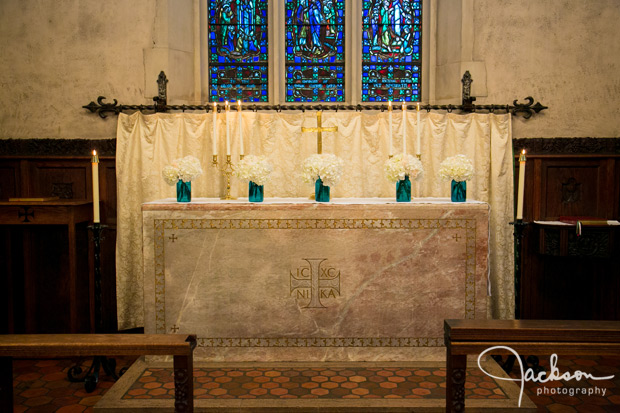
point(56, 56)
point(565, 53)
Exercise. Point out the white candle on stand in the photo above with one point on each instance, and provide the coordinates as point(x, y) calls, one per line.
point(214, 128)
point(404, 128)
point(240, 127)
point(227, 129)
point(521, 185)
point(95, 168)
point(390, 124)
point(419, 148)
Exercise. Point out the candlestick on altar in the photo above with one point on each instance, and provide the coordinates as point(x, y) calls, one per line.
point(95, 169)
point(227, 129)
point(418, 145)
point(404, 128)
point(239, 114)
point(227, 170)
point(390, 126)
point(521, 188)
point(214, 138)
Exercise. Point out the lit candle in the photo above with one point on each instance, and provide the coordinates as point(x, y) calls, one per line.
point(390, 122)
point(227, 129)
point(95, 165)
point(240, 127)
point(419, 148)
point(521, 185)
point(404, 128)
point(214, 128)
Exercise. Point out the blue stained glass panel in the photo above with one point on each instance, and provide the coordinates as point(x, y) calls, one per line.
point(391, 38)
point(238, 44)
point(314, 50)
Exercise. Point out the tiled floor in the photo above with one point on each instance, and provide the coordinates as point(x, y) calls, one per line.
point(41, 385)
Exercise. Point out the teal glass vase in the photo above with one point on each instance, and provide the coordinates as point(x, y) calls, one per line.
point(255, 193)
point(184, 191)
point(321, 192)
point(459, 191)
point(403, 190)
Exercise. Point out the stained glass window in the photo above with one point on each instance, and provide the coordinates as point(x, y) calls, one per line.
point(314, 50)
point(238, 57)
point(391, 49)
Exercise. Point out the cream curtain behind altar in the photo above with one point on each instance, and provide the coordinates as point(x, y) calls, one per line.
point(146, 143)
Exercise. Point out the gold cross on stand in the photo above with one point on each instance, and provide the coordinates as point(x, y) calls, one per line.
point(319, 131)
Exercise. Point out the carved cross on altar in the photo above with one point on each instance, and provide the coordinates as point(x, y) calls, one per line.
point(319, 131)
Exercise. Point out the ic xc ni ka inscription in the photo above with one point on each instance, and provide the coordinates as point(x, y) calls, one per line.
point(315, 282)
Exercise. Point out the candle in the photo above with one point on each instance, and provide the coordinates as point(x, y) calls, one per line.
point(418, 120)
point(95, 165)
point(521, 185)
point(214, 128)
point(404, 128)
point(227, 129)
point(240, 127)
point(390, 122)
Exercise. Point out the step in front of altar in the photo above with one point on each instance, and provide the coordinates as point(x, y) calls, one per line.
point(354, 387)
point(310, 282)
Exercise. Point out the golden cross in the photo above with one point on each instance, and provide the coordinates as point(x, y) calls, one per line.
point(319, 131)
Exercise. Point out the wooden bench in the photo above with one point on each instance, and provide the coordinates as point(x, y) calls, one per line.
point(179, 346)
point(526, 337)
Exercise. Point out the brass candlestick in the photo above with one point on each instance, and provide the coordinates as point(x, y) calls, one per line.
point(227, 170)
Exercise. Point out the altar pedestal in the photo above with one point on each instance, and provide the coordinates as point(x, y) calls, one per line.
point(295, 280)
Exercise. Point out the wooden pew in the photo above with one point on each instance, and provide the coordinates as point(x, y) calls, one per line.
point(179, 346)
point(526, 337)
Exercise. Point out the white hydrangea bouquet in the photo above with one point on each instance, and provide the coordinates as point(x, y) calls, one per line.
point(254, 168)
point(456, 168)
point(326, 167)
point(459, 169)
point(184, 169)
point(324, 170)
point(399, 166)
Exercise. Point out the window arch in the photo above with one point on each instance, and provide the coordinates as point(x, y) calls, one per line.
point(307, 57)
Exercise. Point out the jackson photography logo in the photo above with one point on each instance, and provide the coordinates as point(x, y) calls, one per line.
point(543, 377)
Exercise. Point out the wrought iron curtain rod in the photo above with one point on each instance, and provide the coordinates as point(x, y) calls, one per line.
point(160, 104)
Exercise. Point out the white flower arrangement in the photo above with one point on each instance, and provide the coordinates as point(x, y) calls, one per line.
point(185, 169)
point(400, 165)
point(254, 168)
point(456, 168)
point(327, 167)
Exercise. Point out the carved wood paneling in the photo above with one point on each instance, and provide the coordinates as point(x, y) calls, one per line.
point(564, 276)
point(9, 180)
point(60, 167)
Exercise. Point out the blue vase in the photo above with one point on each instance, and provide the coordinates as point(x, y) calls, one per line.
point(255, 192)
point(459, 191)
point(321, 192)
point(184, 191)
point(403, 190)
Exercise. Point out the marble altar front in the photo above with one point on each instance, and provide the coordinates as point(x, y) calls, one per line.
point(295, 280)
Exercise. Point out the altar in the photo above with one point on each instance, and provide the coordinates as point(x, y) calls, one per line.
point(295, 280)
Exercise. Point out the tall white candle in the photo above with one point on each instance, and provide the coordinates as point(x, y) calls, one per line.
point(390, 125)
point(214, 128)
point(227, 129)
point(404, 128)
point(418, 147)
point(239, 113)
point(521, 189)
point(95, 168)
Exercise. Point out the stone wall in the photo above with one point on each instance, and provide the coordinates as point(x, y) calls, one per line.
point(56, 56)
